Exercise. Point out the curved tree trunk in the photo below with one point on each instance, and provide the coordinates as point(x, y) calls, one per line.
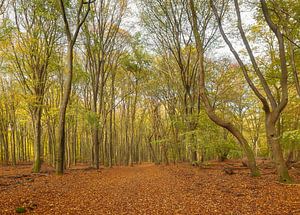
point(208, 107)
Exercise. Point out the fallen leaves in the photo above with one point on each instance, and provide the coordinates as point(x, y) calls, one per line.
point(148, 189)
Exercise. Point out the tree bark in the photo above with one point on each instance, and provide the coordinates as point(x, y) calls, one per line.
point(37, 139)
point(273, 140)
point(68, 83)
point(62, 112)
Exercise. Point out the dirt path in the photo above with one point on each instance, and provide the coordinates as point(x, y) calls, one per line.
point(148, 189)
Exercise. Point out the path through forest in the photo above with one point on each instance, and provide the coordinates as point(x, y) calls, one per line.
point(146, 189)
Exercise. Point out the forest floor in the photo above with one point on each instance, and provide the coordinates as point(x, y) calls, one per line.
point(147, 189)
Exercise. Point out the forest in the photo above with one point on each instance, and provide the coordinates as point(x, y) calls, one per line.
point(143, 97)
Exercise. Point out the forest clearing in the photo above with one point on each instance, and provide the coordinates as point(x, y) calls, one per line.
point(150, 107)
point(148, 189)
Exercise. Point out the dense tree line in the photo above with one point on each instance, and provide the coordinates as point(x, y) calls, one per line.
point(78, 86)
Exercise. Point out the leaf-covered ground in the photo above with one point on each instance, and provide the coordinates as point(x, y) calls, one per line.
point(147, 189)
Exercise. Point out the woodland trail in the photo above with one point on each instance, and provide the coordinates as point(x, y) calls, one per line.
point(146, 189)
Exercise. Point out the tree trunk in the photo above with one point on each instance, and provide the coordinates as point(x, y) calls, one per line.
point(95, 129)
point(62, 112)
point(274, 143)
point(13, 138)
point(194, 156)
point(5, 148)
point(37, 139)
point(74, 143)
point(95, 147)
point(111, 118)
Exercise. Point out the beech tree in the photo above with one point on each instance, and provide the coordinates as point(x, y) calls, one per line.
point(32, 48)
point(101, 34)
point(167, 21)
point(286, 16)
point(272, 107)
point(208, 107)
point(80, 17)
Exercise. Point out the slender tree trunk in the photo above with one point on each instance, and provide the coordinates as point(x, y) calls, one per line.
point(37, 139)
point(111, 130)
point(165, 153)
point(95, 146)
point(5, 148)
point(95, 129)
point(62, 112)
point(152, 152)
point(68, 83)
point(13, 138)
point(194, 156)
point(127, 139)
point(13, 148)
point(74, 143)
point(50, 142)
point(23, 143)
point(133, 114)
point(69, 144)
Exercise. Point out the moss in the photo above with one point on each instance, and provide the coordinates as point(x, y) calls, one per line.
point(36, 167)
point(255, 173)
point(286, 179)
point(20, 210)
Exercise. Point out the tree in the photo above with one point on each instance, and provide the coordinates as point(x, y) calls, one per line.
point(272, 108)
point(167, 21)
point(32, 46)
point(81, 16)
point(102, 33)
point(208, 107)
point(285, 14)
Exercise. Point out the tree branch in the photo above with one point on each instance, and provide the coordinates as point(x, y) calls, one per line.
point(239, 60)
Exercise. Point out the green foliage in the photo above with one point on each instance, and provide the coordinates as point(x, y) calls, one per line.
point(291, 138)
point(225, 147)
point(20, 210)
point(138, 60)
point(6, 29)
point(160, 141)
point(264, 151)
point(80, 74)
point(92, 118)
point(222, 149)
